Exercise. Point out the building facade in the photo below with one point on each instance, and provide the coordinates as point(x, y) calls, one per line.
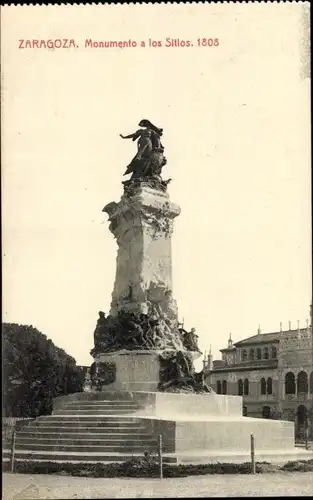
point(273, 372)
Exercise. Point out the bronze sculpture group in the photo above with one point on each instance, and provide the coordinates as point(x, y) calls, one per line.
point(132, 331)
point(147, 164)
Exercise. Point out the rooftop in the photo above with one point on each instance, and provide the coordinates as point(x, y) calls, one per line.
point(266, 337)
point(256, 364)
point(258, 338)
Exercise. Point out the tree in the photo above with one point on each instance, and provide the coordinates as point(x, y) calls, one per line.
point(34, 372)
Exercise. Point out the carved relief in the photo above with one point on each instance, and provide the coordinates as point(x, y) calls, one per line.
point(132, 331)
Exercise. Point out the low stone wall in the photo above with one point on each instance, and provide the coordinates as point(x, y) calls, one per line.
point(230, 434)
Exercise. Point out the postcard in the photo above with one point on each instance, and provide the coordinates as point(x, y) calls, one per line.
point(157, 251)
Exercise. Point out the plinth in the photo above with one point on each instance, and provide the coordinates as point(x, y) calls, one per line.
point(135, 370)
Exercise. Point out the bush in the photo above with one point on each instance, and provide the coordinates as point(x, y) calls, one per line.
point(298, 466)
point(135, 468)
point(34, 372)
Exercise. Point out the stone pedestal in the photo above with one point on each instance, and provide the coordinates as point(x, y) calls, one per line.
point(135, 370)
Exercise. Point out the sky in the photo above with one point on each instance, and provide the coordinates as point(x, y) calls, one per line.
point(236, 122)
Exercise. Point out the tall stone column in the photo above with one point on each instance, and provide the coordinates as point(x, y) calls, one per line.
point(142, 224)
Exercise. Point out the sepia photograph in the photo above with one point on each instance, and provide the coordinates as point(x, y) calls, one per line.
point(156, 250)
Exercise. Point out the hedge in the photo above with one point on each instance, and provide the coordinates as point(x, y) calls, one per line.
point(140, 468)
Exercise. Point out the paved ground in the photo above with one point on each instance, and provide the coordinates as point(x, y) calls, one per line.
point(38, 486)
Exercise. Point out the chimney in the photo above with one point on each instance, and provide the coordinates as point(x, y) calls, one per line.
point(281, 326)
point(259, 330)
point(289, 325)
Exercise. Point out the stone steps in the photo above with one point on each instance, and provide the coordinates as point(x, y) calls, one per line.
point(96, 419)
point(74, 457)
point(118, 410)
point(94, 411)
point(43, 429)
point(104, 448)
point(84, 435)
point(97, 407)
point(98, 430)
point(106, 406)
point(60, 416)
point(110, 404)
point(22, 442)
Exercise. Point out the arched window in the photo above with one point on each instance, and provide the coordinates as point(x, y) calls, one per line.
point(266, 412)
point(302, 382)
point(302, 414)
point(224, 387)
point(218, 387)
point(246, 387)
point(240, 387)
point(244, 355)
point(290, 383)
point(265, 353)
point(269, 385)
point(274, 352)
point(311, 383)
point(263, 386)
point(251, 354)
point(259, 353)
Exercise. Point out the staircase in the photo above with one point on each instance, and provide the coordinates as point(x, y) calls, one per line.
point(85, 431)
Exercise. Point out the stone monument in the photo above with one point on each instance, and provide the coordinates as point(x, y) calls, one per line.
point(141, 334)
point(142, 383)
